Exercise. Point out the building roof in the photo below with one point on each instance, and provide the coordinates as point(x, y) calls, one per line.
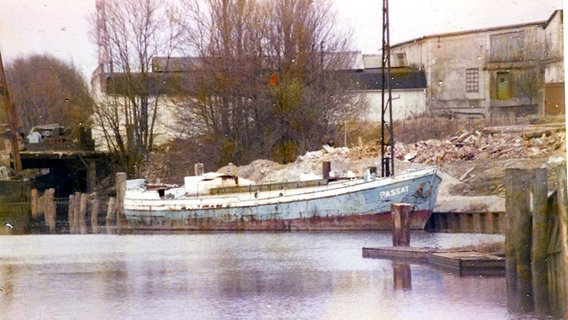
point(133, 83)
point(560, 12)
point(541, 24)
point(401, 78)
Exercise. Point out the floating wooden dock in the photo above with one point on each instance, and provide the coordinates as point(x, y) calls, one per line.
point(465, 263)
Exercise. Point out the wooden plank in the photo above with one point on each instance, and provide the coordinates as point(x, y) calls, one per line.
point(470, 263)
point(407, 253)
point(464, 262)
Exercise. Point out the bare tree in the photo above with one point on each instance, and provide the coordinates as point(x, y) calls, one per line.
point(47, 90)
point(138, 31)
point(265, 86)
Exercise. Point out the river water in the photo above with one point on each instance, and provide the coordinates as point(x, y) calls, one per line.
point(235, 276)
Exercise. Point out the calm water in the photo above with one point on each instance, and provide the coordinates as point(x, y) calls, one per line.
point(234, 276)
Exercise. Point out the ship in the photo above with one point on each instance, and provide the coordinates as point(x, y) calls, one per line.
point(217, 201)
point(220, 202)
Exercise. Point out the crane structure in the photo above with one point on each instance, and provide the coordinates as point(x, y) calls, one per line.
point(104, 57)
point(12, 120)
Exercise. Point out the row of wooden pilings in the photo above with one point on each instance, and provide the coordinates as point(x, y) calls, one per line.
point(468, 222)
point(536, 243)
point(82, 210)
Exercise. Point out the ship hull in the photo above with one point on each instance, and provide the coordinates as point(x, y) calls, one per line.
point(336, 207)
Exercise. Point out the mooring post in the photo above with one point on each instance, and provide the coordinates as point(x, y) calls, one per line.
point(325, 169)
point(540, 236)
point(517, 240)
point(120, 191)
point(400, 214)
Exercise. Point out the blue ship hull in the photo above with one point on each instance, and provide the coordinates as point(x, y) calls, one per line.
point(348, 205)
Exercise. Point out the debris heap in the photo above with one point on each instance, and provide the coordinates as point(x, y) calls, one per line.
point(496, 143)
point(489, 143)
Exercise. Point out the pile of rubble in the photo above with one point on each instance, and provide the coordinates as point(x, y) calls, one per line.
point(509, 142)
point(489, 143)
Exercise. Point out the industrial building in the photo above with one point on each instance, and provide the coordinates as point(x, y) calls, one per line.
point(499, 73)
point(509, 71)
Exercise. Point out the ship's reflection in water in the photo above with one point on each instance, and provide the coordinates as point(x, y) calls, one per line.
point(235, 276)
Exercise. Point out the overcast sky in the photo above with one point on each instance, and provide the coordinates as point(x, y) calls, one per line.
point(61, 27)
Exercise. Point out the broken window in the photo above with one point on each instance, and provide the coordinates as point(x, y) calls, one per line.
point(472, 80)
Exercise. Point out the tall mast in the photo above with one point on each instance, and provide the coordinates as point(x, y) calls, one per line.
point(12, 119)
point(387, 163)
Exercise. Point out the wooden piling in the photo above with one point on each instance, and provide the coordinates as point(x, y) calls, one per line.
point(34, 205)
point(49, 209)
point(111, 212)
point(71, 213)
point(477, 218)
point(559, 284)
point(539, 246)
point(82, 223)
point(402, 277)
point(76, 212)
point(95, 213)
point(91, 175)
point(517, 240)
point(489, 224)
point(120, 191)
point(400, 214)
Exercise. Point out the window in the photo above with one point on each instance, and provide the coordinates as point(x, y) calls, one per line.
point(472, 80)
point(503, 85)
point(507, 47)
